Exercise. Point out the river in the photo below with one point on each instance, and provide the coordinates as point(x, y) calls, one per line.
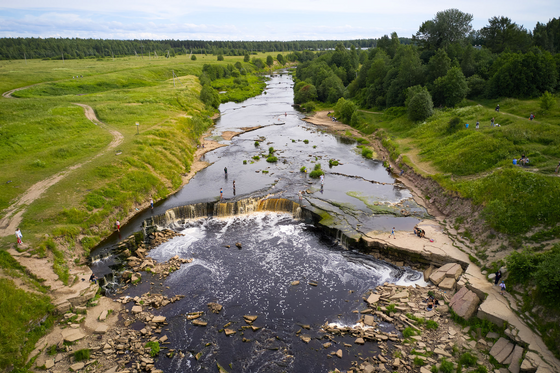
point(276, 248)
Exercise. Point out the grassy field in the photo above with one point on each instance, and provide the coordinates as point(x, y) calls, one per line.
point(42, 132)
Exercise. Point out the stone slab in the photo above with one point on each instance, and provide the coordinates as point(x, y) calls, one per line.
point(517, 354)
point(101, 329)
point(448, 283)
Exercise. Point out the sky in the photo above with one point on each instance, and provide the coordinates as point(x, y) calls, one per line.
point(249, 19)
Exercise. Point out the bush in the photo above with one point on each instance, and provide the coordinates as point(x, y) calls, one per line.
point(82, 355)
point(256, 157)
point(333, 162)
point(547, 101)
point(317, 172)
point(303, 169)
point(521, 265)
point(481, 369)
point(257, 143)
point(431, 324)
point(309, 106)
point(446, 366)
point(220, 57)
point(193, 57)
point(272, 159)
point(408, 332)
point(547, 277)
point(306, 141)
point(467, 360)
point(367, 152)
point(271, 150)
point(154, 348)
point(420, 105)
point(418, 361)
point(454, 125)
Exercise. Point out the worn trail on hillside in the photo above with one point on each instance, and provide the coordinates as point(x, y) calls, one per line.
point(14, 213)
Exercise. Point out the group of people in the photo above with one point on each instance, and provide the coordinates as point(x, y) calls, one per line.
point(77, 76)
point(521, 161)
point(432, 302)
point(419, 232)
point(497, 279)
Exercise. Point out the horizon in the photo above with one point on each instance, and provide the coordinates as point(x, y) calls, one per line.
point(246, 20)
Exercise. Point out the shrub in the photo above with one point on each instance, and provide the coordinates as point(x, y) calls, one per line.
point(420, 106)
point(446, 366)
point(431, 324)
point(522, 265)
point(316, 171)
point(193, 57)
point(333, 162)
point(39, 163)
point(418, 361)
point(154, 347)
point(481, 369)
point(547, 101)
point(256, 157)
point(391, 307)
point(257, 143)
point(303, 169)
point(408, 332)
point(82, 355)
point(367, 152)
point(454, 124)
point(306, 141)
point(467, 359)
point(272, 159)
point(271, 150)
point(244, 161)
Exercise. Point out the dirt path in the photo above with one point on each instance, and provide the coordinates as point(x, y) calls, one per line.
point(13, 214)
point(8, 94)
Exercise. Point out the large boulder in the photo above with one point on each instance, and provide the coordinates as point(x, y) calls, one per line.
point(441, 273)
point(464, 303)
point(501, 350)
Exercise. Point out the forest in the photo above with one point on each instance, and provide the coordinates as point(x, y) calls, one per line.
point(53, 48)
point(446, 63)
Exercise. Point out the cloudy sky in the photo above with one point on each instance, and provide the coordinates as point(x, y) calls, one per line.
point(248, 19)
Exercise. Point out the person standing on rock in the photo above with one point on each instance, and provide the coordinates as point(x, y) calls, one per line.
point(19, 236)
point(233, 187)
point(393, 233)
point(118, 224)
point(502, 287)
point(221, 194)
point(322, 181)
point(152, 203)
point(492, 122)
point(498, 277)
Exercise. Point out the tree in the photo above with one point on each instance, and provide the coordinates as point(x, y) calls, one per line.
point(476, 86)
point(306, 93)
point(193, 57)
point(450, 89)
point(258, 63)
point(209, 96)
point(547, 101)
point(344, 109)
point(419, 103)
point(501, 34)
point(220, 57)
point(269, 60)
point(281, 59)
point(438, 66)
point(246, 58)
point(447, 27)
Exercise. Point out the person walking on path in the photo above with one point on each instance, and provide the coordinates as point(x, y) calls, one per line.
point(477, 124)
point(531, 117)
point(502, 287)
point(152, 203)
point(225, 170)
point(498, 108)
point(19, 236)
point(498, 277)
point(221, 194)
point(118, 224)
point(492, 122)
point(393, 233)
point(322, 181)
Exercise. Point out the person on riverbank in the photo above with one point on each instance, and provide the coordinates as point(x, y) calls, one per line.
point(221, 194)
point(477, 124)
point(322, 181)
point(393, 233)
point(531, 117)
point(19, 236)
point(93, 278)
point(152, 203)
point(498, 277)
point(225, 170)
point(118, 224)
point(492, 122)
point(233, 187)
point(502, 287)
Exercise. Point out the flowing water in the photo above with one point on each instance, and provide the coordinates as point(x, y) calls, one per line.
point(276, 248)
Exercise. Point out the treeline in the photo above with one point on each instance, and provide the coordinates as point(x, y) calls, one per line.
point(52, 48)
point(441, 67)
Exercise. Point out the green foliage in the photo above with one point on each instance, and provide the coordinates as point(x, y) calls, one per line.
point(481, 369)
point(333, 162)
point(210, 97)
point(431, 324)
point(271, 150)
point(154, 348)
point(82, 355)
point(408, 332)
point(450, 89)
point(418, 361)
point(303, 169)
point(454, 125)
point(306, 93)
point(271, 159)
point(256, 157)
point(269, 61)
point(420, 105)
point(257, 143)
point(306, 141)
point(547, 101)
point(344, 110)
point(317, 171)
point(193, 57)
point(220, 57)
point(446, 366)
point(391, 308)
point(468, 360)
point(367, 152)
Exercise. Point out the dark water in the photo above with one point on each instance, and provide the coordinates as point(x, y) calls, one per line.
point(256, 280)
point(276, 249)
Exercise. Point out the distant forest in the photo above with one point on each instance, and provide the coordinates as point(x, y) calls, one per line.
point(52, 48)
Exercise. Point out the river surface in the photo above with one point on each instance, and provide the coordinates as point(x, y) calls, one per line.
point(276, 248)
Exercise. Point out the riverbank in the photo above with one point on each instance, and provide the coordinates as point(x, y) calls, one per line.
point(495, 307)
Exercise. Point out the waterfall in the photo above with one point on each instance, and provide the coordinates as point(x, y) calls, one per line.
point(222, 209)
